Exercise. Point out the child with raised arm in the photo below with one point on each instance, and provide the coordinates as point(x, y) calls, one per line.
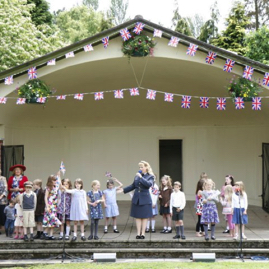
point(95, 198)
point(177, 205)
point(110, 204)
point(19, 234)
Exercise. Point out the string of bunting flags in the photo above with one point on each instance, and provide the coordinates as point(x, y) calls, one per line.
point(150, 95)
point(173, 42)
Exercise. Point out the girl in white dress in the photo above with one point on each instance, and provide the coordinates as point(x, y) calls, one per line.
point(18, 220)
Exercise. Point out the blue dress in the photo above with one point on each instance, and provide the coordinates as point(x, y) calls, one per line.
point(112, 209)
point(95, 212)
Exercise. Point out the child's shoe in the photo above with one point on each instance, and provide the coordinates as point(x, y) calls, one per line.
point(26, 239)
point(243, 236)
point(16, 236)
point(31, 237)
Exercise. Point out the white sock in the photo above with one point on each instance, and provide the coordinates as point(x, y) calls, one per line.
point(82, 234)
point(105, 228)
point(148, 223)
point(75, 234)
point(227, 227)
point(61, 234)
point(67, 230)
point(169, 228)
point(115, 228)
point(153, 224)
point(165, 228)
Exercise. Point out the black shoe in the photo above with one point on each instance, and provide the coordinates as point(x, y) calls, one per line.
point(83, 238)
point(176, 237)
point(209, 229)
point(37, 236)
point(153, 231)
point(60, 238)
point(52, 238)
point(163, 231)
point(43, 236)
point(183, 237)
point(138, 237)
point(90, 237)
point(105, 231)
point(147, 230)
point(142, 236)
point(96, 237)
point(116, 231)
point(74, 238)
point(226, 231)
point(66, 237)
point(31, 237)
point(213, 237)
point(168, 231)
point(206, 238)
point(26, 239)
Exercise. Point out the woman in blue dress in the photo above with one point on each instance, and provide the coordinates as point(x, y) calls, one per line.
point(141, 208)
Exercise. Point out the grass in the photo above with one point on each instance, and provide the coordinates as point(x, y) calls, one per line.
point(154, 265)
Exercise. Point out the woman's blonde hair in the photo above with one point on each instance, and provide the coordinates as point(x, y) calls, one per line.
point(209, 180)
point(147, 165)
point(228, 192)
point(169, 181)
point(95, 182)
point(241, 186)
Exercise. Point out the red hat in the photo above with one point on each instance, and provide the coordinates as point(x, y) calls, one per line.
point(17, 166)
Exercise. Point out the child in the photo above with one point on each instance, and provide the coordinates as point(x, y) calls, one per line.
point(165, 195)
point(199, 206)
point(227, 207)
point(64, 206)
point(79, 208)
point(95, 197)
point(154, 193)
point(28, 204)
point(209, 212)
point(40, 207)
point(177, 205)
point(239, 208)
point(110, 203)
point(10, 218)
point(50, 219)
point(18, 220)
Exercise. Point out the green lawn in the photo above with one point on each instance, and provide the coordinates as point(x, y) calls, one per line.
point(155, 265)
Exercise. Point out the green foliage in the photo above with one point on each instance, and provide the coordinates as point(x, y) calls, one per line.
point(118, 10)
point(257, 43)
point(183, 27)
point(91, 3)
point(80, 22)
point(233, 38)
point(20, 40)
point(40, 13)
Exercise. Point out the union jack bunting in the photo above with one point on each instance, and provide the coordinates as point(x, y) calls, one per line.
point(98, 95)
point(88, 48)
point(3, 100)
point(239, 103)
point(62, 167)
point(51, 62)
point(118, 94)
point(9, 80)
point(61, 97)
point(70, 54)
point(157, 33)
point(168, 97)
point(105, 41)
point(192, 50)
point(256, 103)
point(138, 28)
point(221, 103)
point(248, 72)
point(134, 91)
point(173, 41)
point(151, 95)
point(210, 58)
point(228, 67)
point(204, 102)
point(32, 73)
point(79, 96)
point(125, 34)
point(108, 174)
point(21, 101)
point(41, 100)
point(186, 101)
point(266, 79)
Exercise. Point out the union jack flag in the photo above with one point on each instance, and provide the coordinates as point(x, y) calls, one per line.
point(192, 50)
point(105, 41)
point(32, 73)
point(51, 62)
point(3, 100)
point(9, 80)
point(98, 95)
point(118, 94)
point(266, 79)
point(204, 102)
point(125, 34)
point(173, 41)
point(70, 54)
point(79, 96)
point(108, 174)
point(21, 101)
point(41, 100)
point(248, 72)
point(138, 28)
point(151, 95)
point(186, 101)
point(134, 92)
point(256, 103)
point(88, 48)
point(239, 103)
point(210, 58)
point(62, 167)
point(228, 67)
point(221, 103)
point(61, 97)
point(157, 33)
point(154, 191)
point(168, 97)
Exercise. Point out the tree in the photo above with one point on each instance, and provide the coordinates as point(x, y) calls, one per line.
point(258, 12)
point(20, 40)
point(257, 43)
point(91, 3)
point(183, 27)
point(118, 10)
point(233, 38)
point(40, 13)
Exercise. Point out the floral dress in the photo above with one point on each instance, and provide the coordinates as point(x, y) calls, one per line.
point(50, 219)
point(95, 212)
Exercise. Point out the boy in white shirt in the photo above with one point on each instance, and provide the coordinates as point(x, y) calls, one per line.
point(177, 204)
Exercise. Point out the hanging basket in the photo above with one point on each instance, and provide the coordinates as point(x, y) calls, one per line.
point(139, 54)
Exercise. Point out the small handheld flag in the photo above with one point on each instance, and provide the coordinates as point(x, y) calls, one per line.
point(62, 167)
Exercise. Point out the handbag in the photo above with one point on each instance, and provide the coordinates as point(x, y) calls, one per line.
point(227, 210)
